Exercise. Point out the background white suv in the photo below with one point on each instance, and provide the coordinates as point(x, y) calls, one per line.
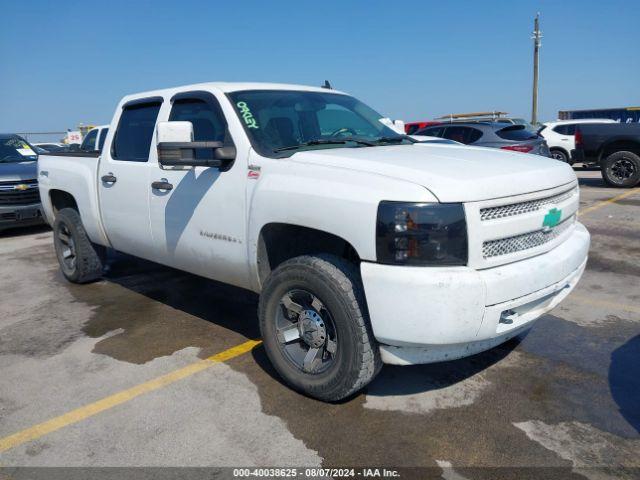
point(560, 136)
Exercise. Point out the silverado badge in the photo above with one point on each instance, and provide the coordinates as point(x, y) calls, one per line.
point(552, 218)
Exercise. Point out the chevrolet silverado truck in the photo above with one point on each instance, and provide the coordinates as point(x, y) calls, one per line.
point(94, 139)
point(365, 246)
point(614, 147)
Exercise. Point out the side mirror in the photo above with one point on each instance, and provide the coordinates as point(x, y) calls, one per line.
point(395, 125)
point(176, 148)
point(399, 124)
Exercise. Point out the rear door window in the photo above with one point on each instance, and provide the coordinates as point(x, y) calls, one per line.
point(474, 135)
point(561, 129)
point(464, 135)
point(431, 132)
point(103, 137)
point(89, 142)
point(133, 136)
point(516, 133)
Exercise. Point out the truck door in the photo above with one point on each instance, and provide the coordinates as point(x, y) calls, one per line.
point(198, 221)
point(123, 188)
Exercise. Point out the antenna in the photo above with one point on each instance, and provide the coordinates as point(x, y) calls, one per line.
point(327, 85)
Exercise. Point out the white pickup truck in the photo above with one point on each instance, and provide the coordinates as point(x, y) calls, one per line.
point(366, 247)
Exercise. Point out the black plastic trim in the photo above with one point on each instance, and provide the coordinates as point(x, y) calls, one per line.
point(143, 101)
point(92, 154)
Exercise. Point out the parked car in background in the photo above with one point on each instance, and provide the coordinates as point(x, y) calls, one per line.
point(560, 136)
point(494, 116)
point(39, 150)
point(432, 140)
point(94, 139)
point(412, 127)
point(52, 147)
point(512, 137)
point(366, 247)
point(19, 195)
point(614, 147)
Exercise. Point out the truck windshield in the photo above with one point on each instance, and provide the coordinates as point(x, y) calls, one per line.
point(15, 149)
point(281, 122)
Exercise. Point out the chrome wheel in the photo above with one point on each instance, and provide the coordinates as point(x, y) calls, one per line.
point(67, 247)
point(306, 332)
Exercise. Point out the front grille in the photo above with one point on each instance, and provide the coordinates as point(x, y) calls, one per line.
point(504, 246)
point(11, 193)
point(502, 211)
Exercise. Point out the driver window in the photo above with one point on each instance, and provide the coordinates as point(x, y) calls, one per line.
point(209, 124)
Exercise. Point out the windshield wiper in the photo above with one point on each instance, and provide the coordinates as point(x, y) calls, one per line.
point(325, 141)
point(397, 139)
point(309, 144)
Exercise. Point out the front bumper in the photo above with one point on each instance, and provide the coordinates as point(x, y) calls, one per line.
point(21, 216)
point(423, 315)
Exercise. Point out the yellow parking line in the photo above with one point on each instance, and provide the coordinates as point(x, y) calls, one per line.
point(119, 398)
point(633, 191)
point(606, 304)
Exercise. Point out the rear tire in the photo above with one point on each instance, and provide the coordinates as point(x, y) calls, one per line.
point(561, 156)
point(319, 301)
point(621, 169)
point(80, 260)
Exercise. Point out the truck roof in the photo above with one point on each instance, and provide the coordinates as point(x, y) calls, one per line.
point(227, 87)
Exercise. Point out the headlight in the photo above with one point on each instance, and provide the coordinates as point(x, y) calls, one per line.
point(421, 234)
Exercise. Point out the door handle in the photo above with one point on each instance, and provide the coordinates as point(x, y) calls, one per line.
point(162, 185)
point(108, 178)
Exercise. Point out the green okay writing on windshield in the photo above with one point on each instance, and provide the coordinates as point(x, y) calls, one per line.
point(247, 116)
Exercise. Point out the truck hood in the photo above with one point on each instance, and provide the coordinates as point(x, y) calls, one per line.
point(452, 173)
point(13, 171)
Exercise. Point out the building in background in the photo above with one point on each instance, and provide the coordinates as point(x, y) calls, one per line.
point(623, 115)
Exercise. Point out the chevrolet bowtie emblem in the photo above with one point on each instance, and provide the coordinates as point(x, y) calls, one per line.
point(22, 187)
point(552, 218)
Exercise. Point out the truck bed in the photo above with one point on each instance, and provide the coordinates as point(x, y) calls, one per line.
point(77, 174)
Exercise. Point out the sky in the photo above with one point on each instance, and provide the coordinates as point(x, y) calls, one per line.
point(65, 63)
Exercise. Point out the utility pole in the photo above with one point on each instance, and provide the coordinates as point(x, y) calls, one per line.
point(537, 35)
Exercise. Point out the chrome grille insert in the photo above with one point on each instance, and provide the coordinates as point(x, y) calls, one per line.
point(502, 211)
point(19, 192)
point(504, 246)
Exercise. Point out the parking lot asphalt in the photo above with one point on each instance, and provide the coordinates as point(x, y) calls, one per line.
point(87, 375)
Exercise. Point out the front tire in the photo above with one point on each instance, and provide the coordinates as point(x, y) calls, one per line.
point(315, 328)
point(621, 169)
point(79, 259)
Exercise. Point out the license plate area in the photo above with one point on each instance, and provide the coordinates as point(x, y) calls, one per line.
point(27, 214)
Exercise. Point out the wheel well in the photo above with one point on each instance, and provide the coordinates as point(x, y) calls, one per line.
point(279, 242)
point(61, 199)
point(618, 146)
point(561, 149)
